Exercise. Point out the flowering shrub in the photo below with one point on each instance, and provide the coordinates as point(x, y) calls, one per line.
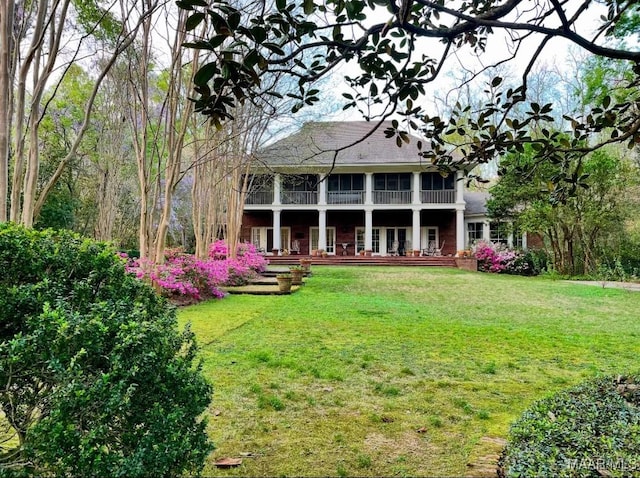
point(247, 255)
point(183, 276)
point(497, 258)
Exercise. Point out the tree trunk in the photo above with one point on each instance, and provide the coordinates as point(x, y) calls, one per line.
point(6, 88)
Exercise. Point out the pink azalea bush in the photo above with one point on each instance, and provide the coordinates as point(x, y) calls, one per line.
point(497, 258)
point(186, 278)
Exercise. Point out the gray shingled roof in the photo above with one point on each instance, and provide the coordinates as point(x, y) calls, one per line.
point(476, 203)
point(314, 145)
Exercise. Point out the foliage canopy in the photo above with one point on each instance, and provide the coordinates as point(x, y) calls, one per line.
point(582, 229)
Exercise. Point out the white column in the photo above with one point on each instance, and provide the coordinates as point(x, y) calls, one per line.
point(460, 187)
point(276, 229)
point(322, 229)
point(277, 186)
point(322, 191)
point(460, 229)
point(415, 242)
point(368, 229)
point(416, 189)
point(368, 186)
point(486, 231)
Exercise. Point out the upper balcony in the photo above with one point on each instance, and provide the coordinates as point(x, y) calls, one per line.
point(353, 189)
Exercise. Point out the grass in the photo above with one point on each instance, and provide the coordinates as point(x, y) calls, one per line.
point(337, 379)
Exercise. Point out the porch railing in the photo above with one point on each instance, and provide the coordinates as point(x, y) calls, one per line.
point(392, 197)
point(445, 196)
point(259, 197)
point(345, 197)
point(299, 197)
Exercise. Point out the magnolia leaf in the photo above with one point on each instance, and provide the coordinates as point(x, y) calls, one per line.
point(205, 73)
point(194, 20)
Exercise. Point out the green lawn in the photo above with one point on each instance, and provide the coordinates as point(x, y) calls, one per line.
point(338, 378)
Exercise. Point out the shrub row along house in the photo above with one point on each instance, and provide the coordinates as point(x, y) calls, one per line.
point(321, 189)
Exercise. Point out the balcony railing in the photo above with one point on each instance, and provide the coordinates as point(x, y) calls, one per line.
point(392, 197)
point(259, 197)
point(299, 197)
point(345, 197)
point(444, 196)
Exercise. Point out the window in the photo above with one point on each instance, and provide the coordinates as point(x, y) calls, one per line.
point(259, 182)
point(359, 239)
point(255, 238)
point(437, 182)
point(345, 182)
point(474, 232)
point(285, 238)
point(518, 243)
point(305, 182)
point(498, 233)
point(392, 182)
point(375, 241)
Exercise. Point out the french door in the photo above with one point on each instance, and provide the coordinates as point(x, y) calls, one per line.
point(331, 239)
point(375, 240)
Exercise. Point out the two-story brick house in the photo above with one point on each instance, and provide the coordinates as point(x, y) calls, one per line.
point(316, 189)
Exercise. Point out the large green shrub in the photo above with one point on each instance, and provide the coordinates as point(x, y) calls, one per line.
point(95, 378)
point(592, 429)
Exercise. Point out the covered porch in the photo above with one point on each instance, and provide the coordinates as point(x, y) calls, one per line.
point(349, 233)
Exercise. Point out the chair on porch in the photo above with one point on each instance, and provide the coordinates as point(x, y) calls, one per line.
point(394, 249)
point(295, 247)
point(430, 250)
point(438, 250)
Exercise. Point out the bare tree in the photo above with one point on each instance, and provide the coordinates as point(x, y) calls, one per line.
point(159, 116)
point(44, 31)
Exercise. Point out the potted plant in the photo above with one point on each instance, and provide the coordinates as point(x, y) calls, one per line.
point(306, 265)
point(296, 275)
point(284, 282)
point(409, 252)
point(368, 252)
